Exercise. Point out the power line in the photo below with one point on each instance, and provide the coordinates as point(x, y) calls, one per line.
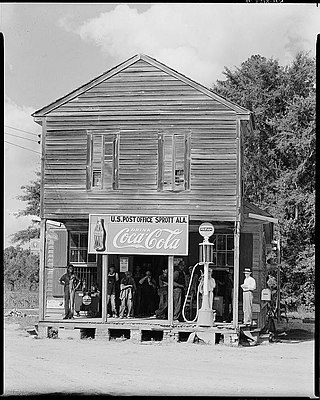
point(22, 147)
point(21, 137)
point(21, 130)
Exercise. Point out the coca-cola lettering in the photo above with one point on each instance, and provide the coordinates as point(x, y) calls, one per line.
point(156, 239)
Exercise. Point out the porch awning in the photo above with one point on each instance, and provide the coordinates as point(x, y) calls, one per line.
point(252, 211)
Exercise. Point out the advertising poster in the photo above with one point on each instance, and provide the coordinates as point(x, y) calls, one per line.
point(124, 264)
point(138, 234)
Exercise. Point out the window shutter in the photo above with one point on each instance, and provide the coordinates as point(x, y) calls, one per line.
point(116, 144)
point(168, 162)
point(179, 162)
point(107, 170)
point(60, 256)
point(187, 161)
point(57, 288)
point(160, 161)
point(97, 160)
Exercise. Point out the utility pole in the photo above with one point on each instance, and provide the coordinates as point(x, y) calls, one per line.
point(278, 279)
point(276, 246)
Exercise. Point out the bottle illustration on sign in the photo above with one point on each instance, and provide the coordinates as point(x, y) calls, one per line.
point(99, 236)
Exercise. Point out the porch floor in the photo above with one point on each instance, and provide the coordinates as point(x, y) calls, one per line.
point(56, 316)
point(137, 328)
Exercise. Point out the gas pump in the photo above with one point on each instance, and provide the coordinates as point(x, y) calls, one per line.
point(205, 315)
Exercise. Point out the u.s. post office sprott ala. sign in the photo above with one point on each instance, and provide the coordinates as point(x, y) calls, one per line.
point(138, 234)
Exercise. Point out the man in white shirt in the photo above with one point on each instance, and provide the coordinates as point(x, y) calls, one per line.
point(248, 286)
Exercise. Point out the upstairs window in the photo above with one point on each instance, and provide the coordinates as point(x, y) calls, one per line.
point(102, 160)
point(174, 161)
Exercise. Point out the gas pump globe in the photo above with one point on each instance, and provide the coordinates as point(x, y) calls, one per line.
point(205, 316)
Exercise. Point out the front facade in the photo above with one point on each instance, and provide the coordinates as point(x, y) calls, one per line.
point(142, 139)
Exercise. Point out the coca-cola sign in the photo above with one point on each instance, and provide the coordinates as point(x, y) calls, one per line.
point(138, 234)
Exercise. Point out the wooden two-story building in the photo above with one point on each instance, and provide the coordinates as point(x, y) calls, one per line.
point(143, 139)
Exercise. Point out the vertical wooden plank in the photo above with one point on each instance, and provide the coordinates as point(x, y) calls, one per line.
point(160, 161)
point(238, 222)
point(104, 287)
point(236, 275)
point(89, 157)
point(42, 294)
point(43, 154)
point(42, 291)
point(170, 290)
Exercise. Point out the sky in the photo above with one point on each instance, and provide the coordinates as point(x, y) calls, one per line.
point(51, 49)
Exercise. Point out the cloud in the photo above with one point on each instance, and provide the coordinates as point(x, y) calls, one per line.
point(20, 164)
point(200, 39)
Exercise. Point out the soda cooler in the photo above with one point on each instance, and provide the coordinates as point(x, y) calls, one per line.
point(87, 302)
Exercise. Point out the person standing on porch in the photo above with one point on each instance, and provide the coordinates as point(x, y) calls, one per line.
point(127, 289)
point(71, 283)
point(137, 295)
point(248, 286)
point(179, 283)
point(148, 291)
point(113, 278)
point(161, 312)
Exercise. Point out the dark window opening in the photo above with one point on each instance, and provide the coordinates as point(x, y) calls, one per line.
point(147, 336)
point(119, 334)
point(183, 336)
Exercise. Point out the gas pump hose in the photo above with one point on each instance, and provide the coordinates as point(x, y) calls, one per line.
point(186, 297)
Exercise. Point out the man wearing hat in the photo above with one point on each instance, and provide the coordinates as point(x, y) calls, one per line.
point(248, 286)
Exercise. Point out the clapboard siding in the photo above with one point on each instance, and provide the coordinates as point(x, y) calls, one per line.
point(139, 103)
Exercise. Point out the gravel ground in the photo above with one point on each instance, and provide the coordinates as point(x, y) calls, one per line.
point(49, 366)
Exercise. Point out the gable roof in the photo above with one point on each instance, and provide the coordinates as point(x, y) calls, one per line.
point(113, 71)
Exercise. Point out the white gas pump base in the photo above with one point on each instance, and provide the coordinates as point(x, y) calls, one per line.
point(205, 317)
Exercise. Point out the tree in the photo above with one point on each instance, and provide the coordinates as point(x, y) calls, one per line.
point(279, 157)
point(32, 197)
point(21, 269)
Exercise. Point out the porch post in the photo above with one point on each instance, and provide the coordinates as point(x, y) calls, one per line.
point(42, 278)
point(170, 290)
point(235, 305)
point(104, 287)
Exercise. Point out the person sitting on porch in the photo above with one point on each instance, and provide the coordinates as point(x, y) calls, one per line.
point(248, 286)
point(161, 312)
point(211, 286)
point(148, 290)
point(127, 289)
point(71, 283)
point(179, 283)
point(113, 278)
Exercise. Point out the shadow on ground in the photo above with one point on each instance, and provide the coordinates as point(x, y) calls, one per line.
point(295, 335)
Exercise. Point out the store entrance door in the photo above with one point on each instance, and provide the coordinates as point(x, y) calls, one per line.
point(146, 299)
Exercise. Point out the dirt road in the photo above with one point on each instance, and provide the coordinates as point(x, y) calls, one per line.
point(39, 366)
